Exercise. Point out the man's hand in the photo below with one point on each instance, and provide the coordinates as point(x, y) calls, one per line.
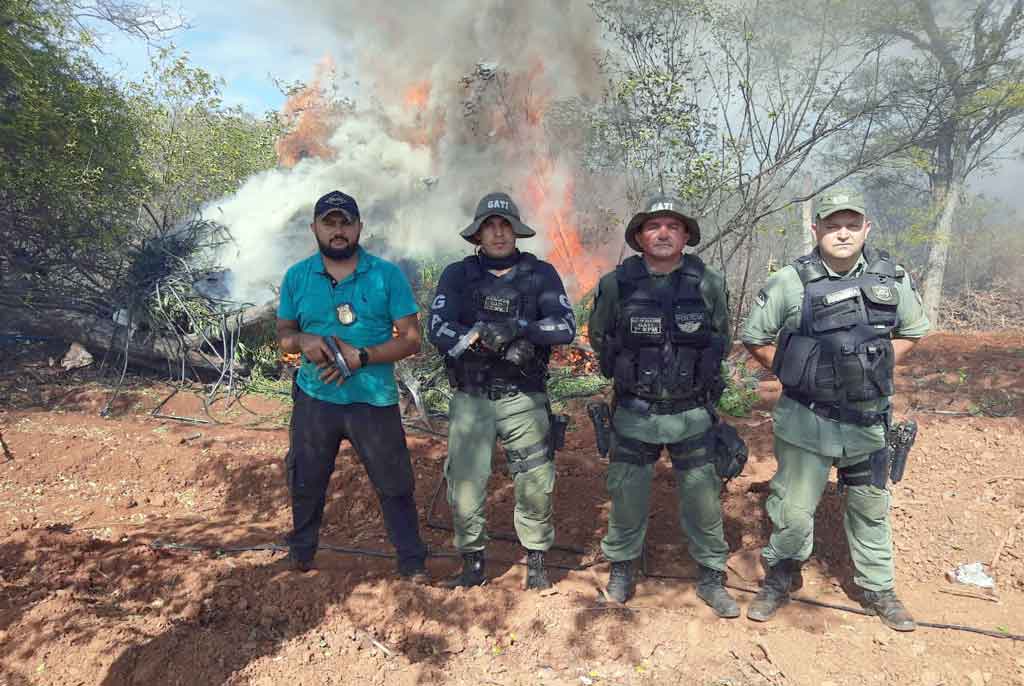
point(314, 349)
point(764, 354)
point(494, 336)
point(329, 372)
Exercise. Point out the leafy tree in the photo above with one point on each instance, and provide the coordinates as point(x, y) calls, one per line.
point(729, 104)
point(99, 183)
point(194, 148)
point(68, 159)
point(960, 70)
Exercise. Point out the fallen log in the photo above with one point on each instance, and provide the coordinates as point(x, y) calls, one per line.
point(98, 333)
point(246, 320)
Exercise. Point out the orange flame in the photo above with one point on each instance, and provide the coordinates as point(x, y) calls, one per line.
point(418, 125)
point(513, 122)
point(417, 95)
point(309, 112)
point(558, 216)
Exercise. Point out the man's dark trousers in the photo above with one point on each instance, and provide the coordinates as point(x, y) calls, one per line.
point(376, 434)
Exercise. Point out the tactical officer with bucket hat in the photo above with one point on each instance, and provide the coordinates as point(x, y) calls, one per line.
point(660, 326)
point(495, 317)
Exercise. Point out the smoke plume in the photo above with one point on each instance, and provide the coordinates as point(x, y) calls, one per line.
point(451, 101)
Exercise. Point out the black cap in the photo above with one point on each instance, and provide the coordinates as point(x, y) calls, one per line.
point(501, 205)
point(336, 201)
point(658, 206)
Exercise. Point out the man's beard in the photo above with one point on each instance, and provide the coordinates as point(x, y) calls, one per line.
point(338, 253)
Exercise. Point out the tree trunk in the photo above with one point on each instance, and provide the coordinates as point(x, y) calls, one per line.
point(152, 352)
point(939, 254)
point(253, 316)
point(808, 214)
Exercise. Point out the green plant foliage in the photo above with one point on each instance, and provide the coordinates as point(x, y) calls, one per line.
point(566, 383)
point(740, 394)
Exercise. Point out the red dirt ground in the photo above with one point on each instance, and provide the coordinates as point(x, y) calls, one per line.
point(86, 598)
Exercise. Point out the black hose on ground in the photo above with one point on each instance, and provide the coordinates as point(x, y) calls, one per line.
point(160, 544)
point(367, 552)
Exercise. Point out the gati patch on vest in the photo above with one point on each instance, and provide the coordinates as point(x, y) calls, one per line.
point(689, 322)
point(647, 326)
point(493, 303)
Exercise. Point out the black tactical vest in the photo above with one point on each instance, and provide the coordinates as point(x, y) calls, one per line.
point(842, 351)
point(663, 344)
point(491, 300)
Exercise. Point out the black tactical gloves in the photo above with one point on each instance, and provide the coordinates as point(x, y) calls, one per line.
point(494, 336)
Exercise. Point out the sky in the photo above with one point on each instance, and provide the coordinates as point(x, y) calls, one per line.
point(250, 43)
point(247, 43)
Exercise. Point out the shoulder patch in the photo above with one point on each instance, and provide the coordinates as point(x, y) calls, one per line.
point(762, 298)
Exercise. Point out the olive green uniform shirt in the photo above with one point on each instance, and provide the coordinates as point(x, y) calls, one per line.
point(604, 318)
point(778, 306)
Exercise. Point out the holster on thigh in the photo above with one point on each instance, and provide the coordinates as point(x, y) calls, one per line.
point(873, 471)
point(530, 457)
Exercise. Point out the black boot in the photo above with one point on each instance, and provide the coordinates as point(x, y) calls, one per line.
point(472, 571)
point(621, 585)
point(774, 593)
point(536, 575)
point(889, 609)
point(414, 570)
point(711, 589)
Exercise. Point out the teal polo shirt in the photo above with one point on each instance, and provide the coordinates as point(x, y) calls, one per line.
point(378, 293)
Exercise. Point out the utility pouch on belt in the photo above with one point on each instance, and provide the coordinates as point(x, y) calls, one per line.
point(601, 418)
point(796, 361)
point(900, 437)
point(728, 450)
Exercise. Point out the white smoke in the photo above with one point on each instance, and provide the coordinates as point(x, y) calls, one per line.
point(478, 58)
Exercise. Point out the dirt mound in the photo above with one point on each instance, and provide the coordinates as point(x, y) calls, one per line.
point(110, 571)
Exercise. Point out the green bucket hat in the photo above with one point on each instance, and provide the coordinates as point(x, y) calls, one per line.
point(839, 199)
point(497, 204)
point(658, 206)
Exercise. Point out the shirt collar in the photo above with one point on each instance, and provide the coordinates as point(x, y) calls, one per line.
point(853, 273)
point(650, 272)
point(362, 266)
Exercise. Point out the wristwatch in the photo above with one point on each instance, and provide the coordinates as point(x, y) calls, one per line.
point(364, 357)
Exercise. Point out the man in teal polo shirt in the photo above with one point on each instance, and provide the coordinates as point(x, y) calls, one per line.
point(359, 300)
point(832, 326)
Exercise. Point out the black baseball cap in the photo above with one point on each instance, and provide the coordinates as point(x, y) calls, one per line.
point(336, 201)
point(497, 204)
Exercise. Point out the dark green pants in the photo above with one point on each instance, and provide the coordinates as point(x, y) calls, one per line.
point(521, 423)
point(629, 485)
point(796, 490)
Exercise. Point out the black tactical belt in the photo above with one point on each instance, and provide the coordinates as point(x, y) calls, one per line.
point(837, 413)
point(642, 406)
point(496, 390)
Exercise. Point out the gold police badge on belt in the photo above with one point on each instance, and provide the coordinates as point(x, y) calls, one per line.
point(346, 315)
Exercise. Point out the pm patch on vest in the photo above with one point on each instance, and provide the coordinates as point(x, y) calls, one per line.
point(645, 326)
